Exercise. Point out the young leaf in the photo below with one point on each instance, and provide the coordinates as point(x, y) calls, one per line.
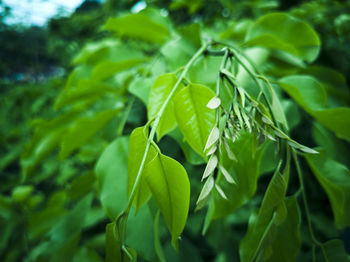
point(160, 91)
point(212, 150)
point(137, 145)
point(170, 187)
point(209, 169)
point(195, 120)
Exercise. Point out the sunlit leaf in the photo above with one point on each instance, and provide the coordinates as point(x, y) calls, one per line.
point(160, 91)
point(169, 184)
point(195, 120)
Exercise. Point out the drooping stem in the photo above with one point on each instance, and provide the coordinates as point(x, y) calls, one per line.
point(152, 134)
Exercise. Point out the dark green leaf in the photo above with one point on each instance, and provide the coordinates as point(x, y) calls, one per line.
point(335, 179)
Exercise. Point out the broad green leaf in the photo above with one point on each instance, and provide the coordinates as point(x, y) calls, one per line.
point(311, 96)
point(107, 69)
point(335, 251)
point(137, 145)
point(244, 172)
point(261, 225)
point(284, 32)
point(170, 187)
point(195, 120)
point(114, 252)
point(335, 179)
point(160, 91)
point(286, 243)
point(138, 26)
point(83, 129)
point(111, 172)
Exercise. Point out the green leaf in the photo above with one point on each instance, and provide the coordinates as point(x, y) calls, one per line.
point(311, 96)
point(335, 250)
point(286, 243)
point(195, 120)
point(83, 129)
point(170, 187)
point(160, 91)
point(107, 69)
point(335, 179)
point(141, 88)
point(284, 32)
point(257, 238)
point(138, 26)
point(157, 243)
point(138, 142)
point(111, 172)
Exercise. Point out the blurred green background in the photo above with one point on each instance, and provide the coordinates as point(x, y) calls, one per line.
point(56, 215)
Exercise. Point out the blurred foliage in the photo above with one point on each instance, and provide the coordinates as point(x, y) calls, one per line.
point(65, 140)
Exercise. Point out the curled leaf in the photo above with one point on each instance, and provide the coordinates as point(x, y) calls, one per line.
point(214, 103)
point(212, 163)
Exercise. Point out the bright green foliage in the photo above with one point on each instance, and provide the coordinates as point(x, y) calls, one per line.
point(180, 134)
point(161, 89)
point(138, 142)
point(195, 120)
point(112, 176)
point(170, 187)
point(83, 129)
point(335, 179)
point(138, 26)
point(286, 33)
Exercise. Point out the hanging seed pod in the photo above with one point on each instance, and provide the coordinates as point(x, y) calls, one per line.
point(220, 191)
point(209, 169)
point(212, 138)
point(205, 193)
point(226, 175)
point(214, 103)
